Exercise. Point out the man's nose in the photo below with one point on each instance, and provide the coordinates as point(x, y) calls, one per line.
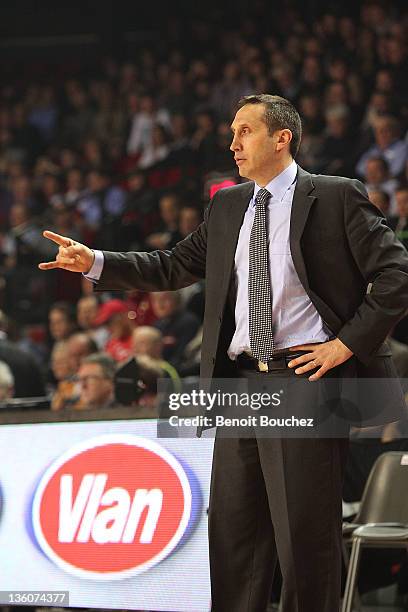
point(235, 145)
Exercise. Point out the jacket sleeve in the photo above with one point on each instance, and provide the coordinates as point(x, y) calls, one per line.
point(158, 270)
point(383, 262)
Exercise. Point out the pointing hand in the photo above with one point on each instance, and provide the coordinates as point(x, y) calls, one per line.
point(72, 256)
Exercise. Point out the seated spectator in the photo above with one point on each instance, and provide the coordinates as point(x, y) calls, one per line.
point(66, 388)
point(63, 222)
point(114, 315)
point(178, 327)
point(73, 186)
point(190, 218)
point(378, 179)
point(24, 244)
point(388, 144)
point(149, 341)
point(141, 215)
point(96, 381)
point(79, 346)
point(143, 122)
point(335, 155)
point(6, 382)
point(158, 149)
point(86, 312)
point(101, 206)
point(66, 358)
point(61, 321)
point(203, 140)
point(59, 361)
point(168, 234)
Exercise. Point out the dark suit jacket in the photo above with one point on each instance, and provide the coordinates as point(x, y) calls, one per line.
point(340, 243)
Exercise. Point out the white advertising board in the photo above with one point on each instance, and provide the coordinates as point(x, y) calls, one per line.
point(106, 511)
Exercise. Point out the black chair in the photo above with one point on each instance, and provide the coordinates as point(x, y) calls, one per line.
point(382, 521)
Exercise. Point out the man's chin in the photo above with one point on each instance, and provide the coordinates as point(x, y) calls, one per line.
point(242, 172)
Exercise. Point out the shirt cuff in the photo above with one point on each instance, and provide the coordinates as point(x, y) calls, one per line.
point(95, 272)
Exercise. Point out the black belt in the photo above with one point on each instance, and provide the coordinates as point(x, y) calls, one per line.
point(279, 361)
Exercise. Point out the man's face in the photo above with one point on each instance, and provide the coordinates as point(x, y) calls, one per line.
point(60, 326)
point(375, 172)
point(384, 133)
point(87, 309)
point(60, 364)
point(254, 148)
point(168, 210)
point(96, 389)
point(189, 221)
point(163, 304)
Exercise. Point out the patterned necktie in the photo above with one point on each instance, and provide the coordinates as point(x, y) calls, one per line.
point(259, 286)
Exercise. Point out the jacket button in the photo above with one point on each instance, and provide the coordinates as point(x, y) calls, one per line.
point(220, 318)
point(213, 360)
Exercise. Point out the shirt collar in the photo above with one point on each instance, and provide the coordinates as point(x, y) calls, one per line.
point(279, 185)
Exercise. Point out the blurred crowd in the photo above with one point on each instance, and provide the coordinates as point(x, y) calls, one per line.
point(125, 154)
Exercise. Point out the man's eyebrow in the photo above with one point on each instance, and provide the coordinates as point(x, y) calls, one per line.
point(241, 125)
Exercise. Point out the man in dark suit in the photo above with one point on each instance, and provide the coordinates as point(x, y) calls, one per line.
point(287, 259)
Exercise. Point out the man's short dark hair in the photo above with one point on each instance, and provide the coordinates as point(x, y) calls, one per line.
point(280, 114)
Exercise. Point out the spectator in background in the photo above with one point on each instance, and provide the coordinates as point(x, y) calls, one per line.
point(114, 315)
point(168, 234)
point(388, 144)
point(203, 140)
point(66, 358)
point(96, 381)
point(61, 321)
point(65, 392)
point(44, 113)
point(158, 149)
point(63, 222)
point(77, 123)
point(143, 122)
point(336, 153)
point(73, 186)
point(178, 327)
point(24, 244)
point(6, 382)
point(378, 179)
point(102, 201)
point(140, 216)
point(148, 341)
point(190, 218)
point(86, 313)
point(79, 345)
point(59, 361)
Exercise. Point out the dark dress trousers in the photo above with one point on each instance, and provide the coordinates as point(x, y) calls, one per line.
point(282, 497)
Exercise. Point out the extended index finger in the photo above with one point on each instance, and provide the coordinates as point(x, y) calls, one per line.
point(61, 240)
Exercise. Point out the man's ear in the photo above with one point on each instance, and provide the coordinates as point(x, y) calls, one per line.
point(283, 139)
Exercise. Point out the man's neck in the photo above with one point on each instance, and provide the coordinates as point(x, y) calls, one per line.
point(274, 172)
